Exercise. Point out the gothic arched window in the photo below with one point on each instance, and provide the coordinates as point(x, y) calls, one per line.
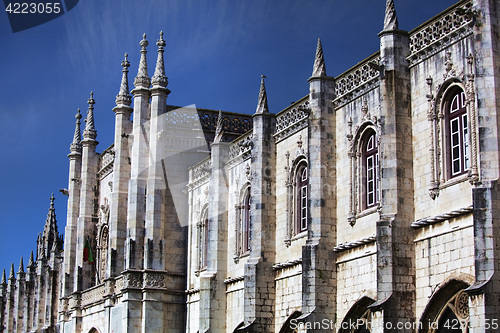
point(245, 222)
point(301, 197)
point(203, 240)
point(370, 164)
point(457, 132)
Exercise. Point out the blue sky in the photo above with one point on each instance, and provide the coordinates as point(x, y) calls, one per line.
point(216, 51)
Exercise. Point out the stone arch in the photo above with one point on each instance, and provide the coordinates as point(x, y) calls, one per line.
point(287, 326)
point(358, 311)
point(450, 289)
point(94, 330)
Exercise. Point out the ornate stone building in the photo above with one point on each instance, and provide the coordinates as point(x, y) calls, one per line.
point(369, 205)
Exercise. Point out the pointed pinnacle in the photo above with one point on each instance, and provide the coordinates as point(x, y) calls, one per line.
point(123, 96)
point(390, 19)
point(77, 137)
point(4, 279)
point(52, 201)
point(90, 132)
point(262, 104)
point(142, 78)
point(21, 266)
point(31, 262)
point(319, 68)
point(159, 78)
point(11, 275)
point(218, 129)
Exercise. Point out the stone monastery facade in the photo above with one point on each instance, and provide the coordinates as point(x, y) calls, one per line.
point(371, 204)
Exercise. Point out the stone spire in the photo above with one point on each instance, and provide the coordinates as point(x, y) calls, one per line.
point(77, 138)
point(21, 267)
point(50, 233)
point(123, 96)
point(319, 68)
point(31, 262)
point(11, 275)
point(90, 132)
point(390, 20)
point(218, 130)
point(262, 104)
point(159, 78)
point(4, 279)
point(142, 78)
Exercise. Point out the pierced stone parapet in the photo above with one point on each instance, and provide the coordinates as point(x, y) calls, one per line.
point(437, 34)
point(233, 124)
point(93, 295)
point(287, 264)
point(352, 245)
point(292, 119)
point(242, 147)
point(442, 217)
point(363, 77)
point(200, 173)
point(106, 161)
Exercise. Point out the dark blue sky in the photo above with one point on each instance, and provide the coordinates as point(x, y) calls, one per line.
point(215, 54)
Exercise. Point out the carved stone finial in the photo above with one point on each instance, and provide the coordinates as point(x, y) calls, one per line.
point(21, 267)
point(142, 78)
point(123, 96)
point(299, 143)
point(319, 68)
point(218, 130)
point(262, 107)
point(159, 78)
point(390, 20)
point(4, 279)
point(90, 132)
point(77, 137)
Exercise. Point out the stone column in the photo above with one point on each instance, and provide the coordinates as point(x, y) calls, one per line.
point(259, 293)
point(318, 258)
point(30, 295)
point(212, 287)
point(139, 162)
point(20, 298)
point(84, 271)
point(75, 167)
point(9, 305)
point(394, 237)
point(121, 177)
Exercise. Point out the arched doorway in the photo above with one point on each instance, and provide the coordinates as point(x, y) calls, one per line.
point(448, 310)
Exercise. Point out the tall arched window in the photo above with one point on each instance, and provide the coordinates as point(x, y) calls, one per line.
point(245, 223)
point(203, 240)
point(457, 132)
point(301, 197)
point(370, 163)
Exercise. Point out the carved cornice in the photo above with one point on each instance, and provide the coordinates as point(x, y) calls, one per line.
point(352, 245)
point(442, 217)
point(287, 264)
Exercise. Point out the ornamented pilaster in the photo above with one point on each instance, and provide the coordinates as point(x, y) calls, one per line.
point(433, 125)
point(471, 101)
